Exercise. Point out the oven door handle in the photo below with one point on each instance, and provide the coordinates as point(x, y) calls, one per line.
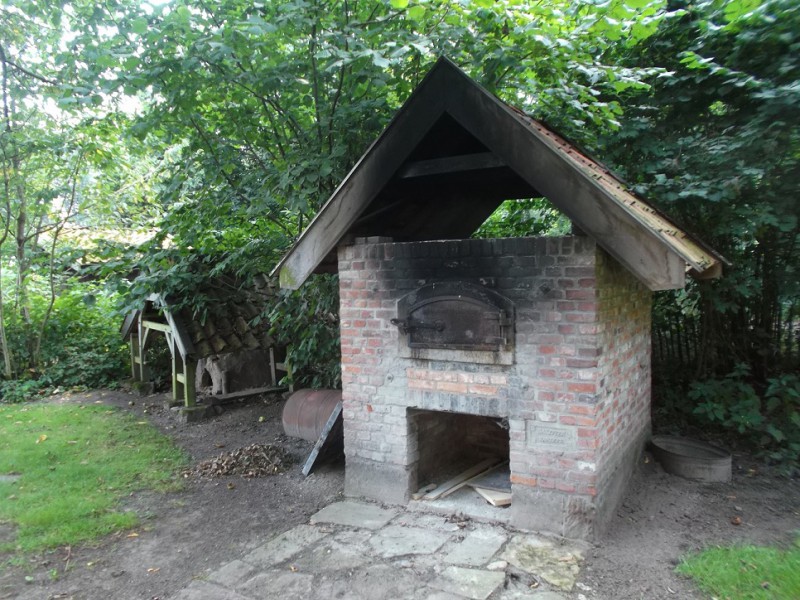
point(407, 325)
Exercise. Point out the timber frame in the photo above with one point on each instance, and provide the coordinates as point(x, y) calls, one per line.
point(140, 326)
point(453, 153)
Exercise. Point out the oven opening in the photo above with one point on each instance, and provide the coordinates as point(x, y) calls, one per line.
point(462, 460)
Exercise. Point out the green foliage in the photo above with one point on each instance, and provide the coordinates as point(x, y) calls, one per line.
point(716, 143)
point(745, 572)
point(520, 218)
point(81, 346)
point(75, 464)
point(306, 321)
point(769, 420)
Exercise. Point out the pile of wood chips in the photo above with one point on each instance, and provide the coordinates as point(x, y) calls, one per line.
point(256, 460)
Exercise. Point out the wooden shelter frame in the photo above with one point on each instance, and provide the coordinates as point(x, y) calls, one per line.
point(140, 326)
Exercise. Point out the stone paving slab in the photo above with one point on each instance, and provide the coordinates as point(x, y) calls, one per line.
point(476, 584)
point(284, 546)
point(360, 551)
point(396, 540)
point(477, 548)
point(233, 574)
point(203, 590)
point(331, 555)
point(354, 514)
point(373, 582)
point(279, 585)
point(555, 561)
point(427, 521)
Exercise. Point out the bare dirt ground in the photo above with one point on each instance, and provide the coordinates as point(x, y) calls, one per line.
point(184, 535)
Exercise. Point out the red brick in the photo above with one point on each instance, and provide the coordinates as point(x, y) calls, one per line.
point(580, 294)
point(582, 409)
point(452, 387)
point(581, 363)
point(522, 480)
point(421, 384)
point(577, 317)
point(582, 388)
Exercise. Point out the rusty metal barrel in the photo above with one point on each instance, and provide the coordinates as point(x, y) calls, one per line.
point(306, 412)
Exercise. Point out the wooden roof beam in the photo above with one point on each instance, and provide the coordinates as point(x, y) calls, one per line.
point(451, 164)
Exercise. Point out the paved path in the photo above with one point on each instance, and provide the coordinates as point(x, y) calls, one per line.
point(360, 551)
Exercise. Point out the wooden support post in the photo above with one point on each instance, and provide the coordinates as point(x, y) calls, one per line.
point(177, 367)
point(134, 347)
point(273, 373)
point(144, 371)
point(189, 368)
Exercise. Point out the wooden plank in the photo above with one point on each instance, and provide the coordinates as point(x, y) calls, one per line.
point(461, 485)
point(450, 164)
point(183, 340)
point(273, 374)
point(133, 343)
point(497, 479)
point(422, 491)
point(177, 377)
point(460, 480)
point(157, 326)
point(369, 175)
point(219, 398)
point(189, 369)
point(494, 497)
point(128, 324)
point(330, 442)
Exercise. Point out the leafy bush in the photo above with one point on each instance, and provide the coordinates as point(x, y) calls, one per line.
point(521, 218)
point(307, 322)
point(80, 348)
point(770, 420)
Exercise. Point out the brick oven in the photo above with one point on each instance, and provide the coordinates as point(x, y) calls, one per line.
point(563, 394)
point(533, 352)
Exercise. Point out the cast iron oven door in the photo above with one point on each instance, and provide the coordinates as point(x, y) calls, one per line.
point(457, 316)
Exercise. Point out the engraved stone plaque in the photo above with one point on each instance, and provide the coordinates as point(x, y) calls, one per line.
point(551, 436)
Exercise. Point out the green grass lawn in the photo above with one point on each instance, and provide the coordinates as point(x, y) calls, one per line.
point(75, 463)
point(746, 572)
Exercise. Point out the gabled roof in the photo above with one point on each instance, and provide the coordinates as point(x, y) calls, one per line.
point(228, 325)
point(452, 154)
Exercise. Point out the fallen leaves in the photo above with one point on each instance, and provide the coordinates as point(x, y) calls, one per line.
point(256, 460)
point(42, 438)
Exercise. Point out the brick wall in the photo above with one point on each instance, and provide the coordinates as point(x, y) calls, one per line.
point(575, 392)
